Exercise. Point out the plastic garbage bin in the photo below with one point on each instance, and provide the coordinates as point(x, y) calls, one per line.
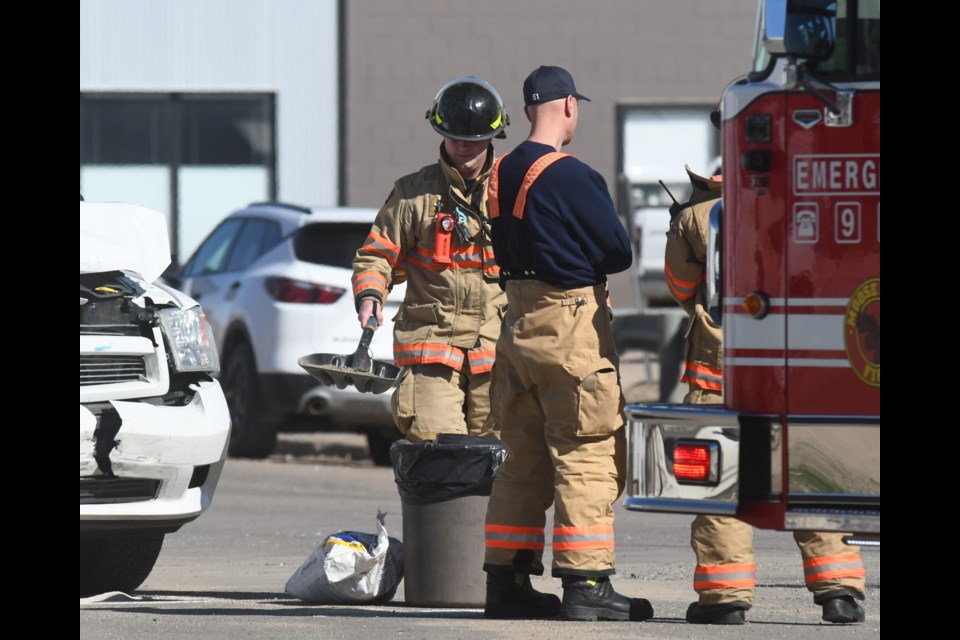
point(444, 488)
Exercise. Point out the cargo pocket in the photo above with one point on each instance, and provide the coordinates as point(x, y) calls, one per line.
point(705, 339)
point(598, 396)
point(402, 402)
point(416, 323)
point(418, 313)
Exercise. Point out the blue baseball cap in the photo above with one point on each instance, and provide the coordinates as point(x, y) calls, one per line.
point(549, 83)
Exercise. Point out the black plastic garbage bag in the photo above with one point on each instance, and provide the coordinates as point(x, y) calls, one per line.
point(451, 466)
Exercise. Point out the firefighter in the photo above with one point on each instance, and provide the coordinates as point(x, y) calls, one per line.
point(725, 577)
point(556, 237)
point(432, 232)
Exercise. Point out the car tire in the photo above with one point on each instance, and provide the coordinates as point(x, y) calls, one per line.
point(251, 436)
point(379, 444)
point(117, 562)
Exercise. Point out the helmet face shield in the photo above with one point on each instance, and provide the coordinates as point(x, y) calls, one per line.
point(468, 109)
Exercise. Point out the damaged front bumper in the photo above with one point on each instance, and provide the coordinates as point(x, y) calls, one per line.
point(151, 465)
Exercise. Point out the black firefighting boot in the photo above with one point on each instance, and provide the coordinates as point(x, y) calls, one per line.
point(840, 606)
point(510, 596)
point(595, 599)
point(728, 613)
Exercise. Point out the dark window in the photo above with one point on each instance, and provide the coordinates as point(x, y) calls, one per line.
point(257, 237)
point(176, 131)
point(226, 131)
point(856, 51)
point(213, 254)
point(125, 130)
point(333, 244)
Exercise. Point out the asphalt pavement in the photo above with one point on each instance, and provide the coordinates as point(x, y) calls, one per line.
point(222, 576)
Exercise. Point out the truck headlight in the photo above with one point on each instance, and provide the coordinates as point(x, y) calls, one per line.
point(190, 338)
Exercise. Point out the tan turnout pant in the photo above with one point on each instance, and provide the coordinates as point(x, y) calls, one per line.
point(557, 385)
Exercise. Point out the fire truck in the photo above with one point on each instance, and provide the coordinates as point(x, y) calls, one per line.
point(793, 276)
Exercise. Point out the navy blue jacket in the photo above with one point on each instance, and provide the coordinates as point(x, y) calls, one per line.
point(570, 234)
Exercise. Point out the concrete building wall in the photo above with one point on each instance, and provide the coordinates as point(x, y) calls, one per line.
point(399, 52)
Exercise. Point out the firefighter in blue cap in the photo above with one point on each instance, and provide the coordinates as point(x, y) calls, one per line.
point(556, 383)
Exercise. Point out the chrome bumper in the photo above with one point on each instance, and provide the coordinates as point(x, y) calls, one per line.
point(831, 481)
point(653, 431)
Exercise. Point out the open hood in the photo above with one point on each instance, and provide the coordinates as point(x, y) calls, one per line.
point(123, 237)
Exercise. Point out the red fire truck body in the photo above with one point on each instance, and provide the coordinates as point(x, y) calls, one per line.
point(794, 279)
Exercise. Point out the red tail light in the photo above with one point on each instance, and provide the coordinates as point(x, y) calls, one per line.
point(296, 291)
point(696, 462)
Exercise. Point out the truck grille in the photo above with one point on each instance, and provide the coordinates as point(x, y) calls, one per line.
point(107, 490)
point(111, 369)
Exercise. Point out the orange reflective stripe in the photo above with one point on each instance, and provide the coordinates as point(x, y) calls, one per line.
point(493, 189)
point(745, 583)
point(506, 528)
point(380, 245)
point(511, 544)
point(490, 266)
point(703, 376)
point(833, 575)
point(369, 280)
point(683, 290)
point(499, 536)
point(573, 546)
point(460, 257)
point(822, 560)
point(427, 353)
point(726, 568)
point(533, 173)
point(481, 361)
point(595, 537)
point(568, 531)
point(725, 576)
point(848, 565)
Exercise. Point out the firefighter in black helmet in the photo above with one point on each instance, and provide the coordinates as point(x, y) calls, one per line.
point(468, 109)
point(432, 233)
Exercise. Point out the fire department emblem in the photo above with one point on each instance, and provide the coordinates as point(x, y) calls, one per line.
point(861, 332)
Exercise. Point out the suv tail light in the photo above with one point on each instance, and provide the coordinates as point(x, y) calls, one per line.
point(297, 291)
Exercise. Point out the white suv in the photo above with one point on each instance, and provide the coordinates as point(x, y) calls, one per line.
point(154, 422)
point(274, 281)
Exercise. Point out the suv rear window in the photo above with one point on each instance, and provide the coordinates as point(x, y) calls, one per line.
point(333, 244)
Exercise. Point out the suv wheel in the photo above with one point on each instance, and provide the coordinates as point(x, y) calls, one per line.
point(250, 435)
point(117, 562)
point(379, 444)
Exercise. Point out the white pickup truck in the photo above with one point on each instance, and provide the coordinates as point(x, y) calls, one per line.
point(154, 423)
